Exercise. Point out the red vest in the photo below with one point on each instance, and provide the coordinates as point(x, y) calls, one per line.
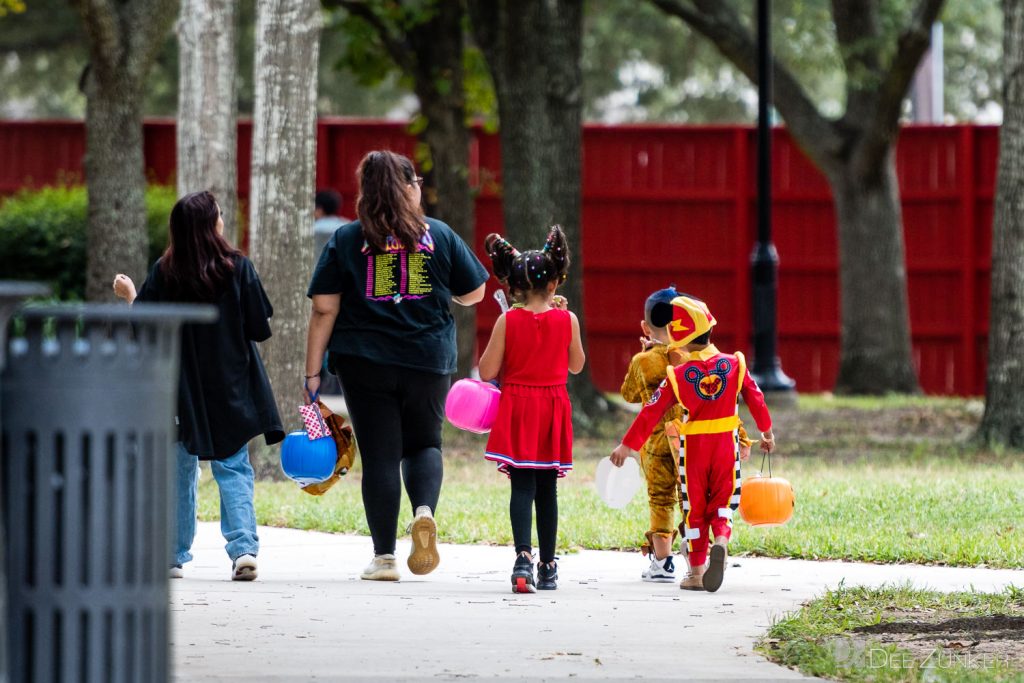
point(708, 386)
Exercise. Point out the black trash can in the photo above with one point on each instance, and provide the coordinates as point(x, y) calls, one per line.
point(12, 294)
point(88, 401)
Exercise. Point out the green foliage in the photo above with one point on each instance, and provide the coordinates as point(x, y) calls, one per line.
point(160, 199)
point(45, 51)
point(478, 89)
point(365, 56)
point(641, 66)
point(11, 7)
point(973, 47)
point(43, 235)
point(638, 66)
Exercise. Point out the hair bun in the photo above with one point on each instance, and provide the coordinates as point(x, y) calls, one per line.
point(556, 248)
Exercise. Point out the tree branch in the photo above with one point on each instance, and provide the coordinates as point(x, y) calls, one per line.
point(859, 38)
point(399, 51)
point(486, 20)
point(856, 23)
point(100, 20)
point(149, 22)
point(717, 21)
point(883, 125)
point(437, 46)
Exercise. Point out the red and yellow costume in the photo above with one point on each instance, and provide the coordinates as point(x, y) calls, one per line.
point(658, 459)
point(708, 386)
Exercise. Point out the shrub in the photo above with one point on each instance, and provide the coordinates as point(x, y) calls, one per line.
point(160, 200)
point(43, 235)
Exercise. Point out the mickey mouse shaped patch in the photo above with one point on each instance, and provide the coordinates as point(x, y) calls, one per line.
point(711, 385)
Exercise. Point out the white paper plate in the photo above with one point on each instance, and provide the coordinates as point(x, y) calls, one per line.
point(617, 485)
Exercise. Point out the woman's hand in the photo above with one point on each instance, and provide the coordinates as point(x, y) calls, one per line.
point(124, 288)
point(311, 387)
point(619, 455)
point(768, 441)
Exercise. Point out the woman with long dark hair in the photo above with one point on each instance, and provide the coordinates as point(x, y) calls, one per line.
point(382, 293)
point(224, 397)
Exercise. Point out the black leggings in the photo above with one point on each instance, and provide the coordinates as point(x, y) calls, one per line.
point(529, 487)
point(396, 414)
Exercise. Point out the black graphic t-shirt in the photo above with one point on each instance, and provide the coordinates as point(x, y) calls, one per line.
point(396, 305)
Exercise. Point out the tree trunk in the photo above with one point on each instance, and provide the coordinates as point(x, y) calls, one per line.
point(439, 84)
point(207, 126)
point(453, 202)
point(116, 237)
point(521, 88)
point(1003, 421)
point(876, 350)
point(283, 170)
point(564, 156)
point(123, 40)
point(533, 50)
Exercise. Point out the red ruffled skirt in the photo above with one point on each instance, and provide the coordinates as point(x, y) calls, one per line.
point(533, 429)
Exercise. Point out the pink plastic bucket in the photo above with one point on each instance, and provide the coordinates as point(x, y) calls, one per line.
point(472, 405)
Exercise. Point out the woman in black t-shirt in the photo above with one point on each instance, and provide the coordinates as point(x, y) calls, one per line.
point(224, 396)
point(382, 293)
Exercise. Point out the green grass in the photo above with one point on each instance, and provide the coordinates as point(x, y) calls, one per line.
point(897, 633)
point(951, 510)
point(877, 479)
point(883, 402)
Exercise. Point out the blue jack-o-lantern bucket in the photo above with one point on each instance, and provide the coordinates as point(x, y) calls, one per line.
point(308, 462)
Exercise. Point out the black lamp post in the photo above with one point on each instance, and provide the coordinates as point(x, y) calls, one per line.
point(767, 369)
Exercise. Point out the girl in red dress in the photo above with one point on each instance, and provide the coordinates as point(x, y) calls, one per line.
point(532, 349)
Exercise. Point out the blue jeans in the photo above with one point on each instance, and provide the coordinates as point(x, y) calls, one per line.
point(234, 477)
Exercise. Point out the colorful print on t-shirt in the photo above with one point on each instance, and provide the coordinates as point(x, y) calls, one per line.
point(396, 274)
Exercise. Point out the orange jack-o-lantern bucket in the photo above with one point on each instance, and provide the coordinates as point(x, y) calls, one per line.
point(766, 501)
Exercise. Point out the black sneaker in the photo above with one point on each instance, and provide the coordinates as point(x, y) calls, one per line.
point(547, 576)
point(522, 575)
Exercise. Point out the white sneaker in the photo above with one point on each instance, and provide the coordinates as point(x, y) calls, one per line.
point(424, 557)
point(244, 568)
point(382, 568)
point(660, 571)
point(176, 572)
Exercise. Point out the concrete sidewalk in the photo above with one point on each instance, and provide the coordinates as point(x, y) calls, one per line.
point(309, 617)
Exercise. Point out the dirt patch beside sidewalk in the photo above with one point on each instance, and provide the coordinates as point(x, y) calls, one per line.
point(942, 638)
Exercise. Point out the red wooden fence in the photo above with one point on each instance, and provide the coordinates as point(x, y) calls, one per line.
point(646, 190)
